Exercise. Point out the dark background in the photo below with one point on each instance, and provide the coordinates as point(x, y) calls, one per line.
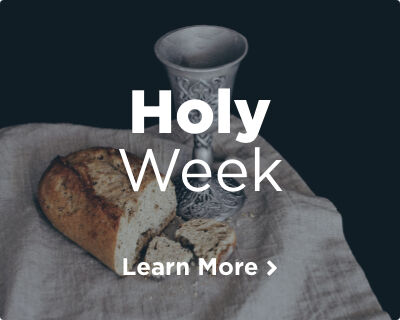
point(330, 68)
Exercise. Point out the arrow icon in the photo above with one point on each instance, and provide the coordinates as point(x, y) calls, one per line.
point(273, 268)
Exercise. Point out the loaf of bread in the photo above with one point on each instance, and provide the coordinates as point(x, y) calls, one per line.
point(207, 238)
point(87, 196)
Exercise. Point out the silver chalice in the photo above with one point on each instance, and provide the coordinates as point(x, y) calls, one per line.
point(199, 60)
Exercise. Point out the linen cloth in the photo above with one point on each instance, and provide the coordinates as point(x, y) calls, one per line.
point(43, 275)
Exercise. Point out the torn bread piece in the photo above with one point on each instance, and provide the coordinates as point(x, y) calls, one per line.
point(163, 250)
point(208, 239)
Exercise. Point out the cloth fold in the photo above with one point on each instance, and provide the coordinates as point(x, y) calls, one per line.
point(43, 275)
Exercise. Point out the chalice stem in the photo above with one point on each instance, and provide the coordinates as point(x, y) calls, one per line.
point(202, 150)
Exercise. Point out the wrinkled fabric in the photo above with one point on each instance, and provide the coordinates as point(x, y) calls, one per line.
point(44, 275)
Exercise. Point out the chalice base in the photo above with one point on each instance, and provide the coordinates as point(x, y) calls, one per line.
point(214, 203)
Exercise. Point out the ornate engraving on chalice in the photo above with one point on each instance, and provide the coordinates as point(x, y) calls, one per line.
point(207, 91)
point(215, 202)
point(200, 60)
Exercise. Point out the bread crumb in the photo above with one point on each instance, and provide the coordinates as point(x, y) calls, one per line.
point(248, 215)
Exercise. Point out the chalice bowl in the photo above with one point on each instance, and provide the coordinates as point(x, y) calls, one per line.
point(199, 60)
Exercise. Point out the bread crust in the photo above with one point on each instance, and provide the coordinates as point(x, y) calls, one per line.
point(68, 198)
